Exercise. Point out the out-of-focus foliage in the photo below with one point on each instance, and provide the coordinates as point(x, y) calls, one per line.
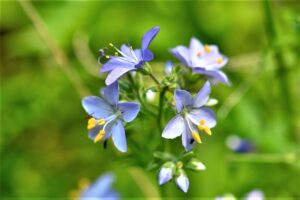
point(44, 144)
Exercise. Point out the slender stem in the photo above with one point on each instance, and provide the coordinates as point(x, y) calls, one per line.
point(161, 108)
point(154, 79)
point(58, 54)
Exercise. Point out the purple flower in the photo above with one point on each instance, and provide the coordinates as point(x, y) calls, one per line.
point(191, 117)
point(129, 59)
point(107, 115)
point(101, 189)
point(202, 59)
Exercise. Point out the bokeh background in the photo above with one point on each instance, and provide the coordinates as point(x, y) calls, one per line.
point(49, 53)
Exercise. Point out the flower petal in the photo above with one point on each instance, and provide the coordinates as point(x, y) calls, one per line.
point(111, 93)
point(195, 47)
point(147, 55)
point(118, 136)
point(203, 113)
point(94, 132)
point(129, 110)
point(202, 96)
point(116, 74)
point(217, 74)
point(174, 128)
point(114, 63)
point(182, 182)
point(148, 37)
point(100, 187)
point(182, 98)
point(165, 175)
point(97, 107)
point(182, 53)
point(187, 140)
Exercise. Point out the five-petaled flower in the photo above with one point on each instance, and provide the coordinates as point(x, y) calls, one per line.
point(202, 59)
point(129, 59)
point(107, 115)
point(191, 117)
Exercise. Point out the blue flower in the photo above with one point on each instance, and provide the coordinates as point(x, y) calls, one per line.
point(107, 115)
point(101, 189)
point(239, 145)
point(202, 59)
point(129, 59)
point(191, 118)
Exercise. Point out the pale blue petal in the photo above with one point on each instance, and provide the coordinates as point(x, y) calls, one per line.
point(174, 128)
point(182, 53)
point(111, 93)
point(147, 55)
point(116, 63)
point(186, 139)
point(196, 115)
point(97, 107)
point(116, 74)
point(182, 99)
point(165, 175)
point(216, 74)
point(129, 110)
point(99, 188)
point(94, 132)
point(148, 37)
point(202, 97)
point(118, 136)
point(126, 50)
point(182, 182)
point(195, 46)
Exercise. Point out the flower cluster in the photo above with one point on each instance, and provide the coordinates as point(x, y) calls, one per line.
point(108, 116)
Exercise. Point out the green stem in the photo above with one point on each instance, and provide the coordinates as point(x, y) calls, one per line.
point(281, 64)
point(161, 108)
point(154, 79)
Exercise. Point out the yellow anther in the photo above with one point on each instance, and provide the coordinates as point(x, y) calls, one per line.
point(202, 122)
point(116, 54)
point(131, 48)
point(219, 60)
point(107, 57)
point(83, 183)
point(101, 122)
point(199, 54)
point(99, 136)
point(110, 44)
point(196, 137)
point(91, 123)
point(207, 130)
point(207, 48)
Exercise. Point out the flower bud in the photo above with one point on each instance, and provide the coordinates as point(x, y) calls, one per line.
point(182, 181)
point(166, 173)
point(196, 165)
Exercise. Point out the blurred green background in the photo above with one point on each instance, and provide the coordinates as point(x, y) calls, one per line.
point(44, 144)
